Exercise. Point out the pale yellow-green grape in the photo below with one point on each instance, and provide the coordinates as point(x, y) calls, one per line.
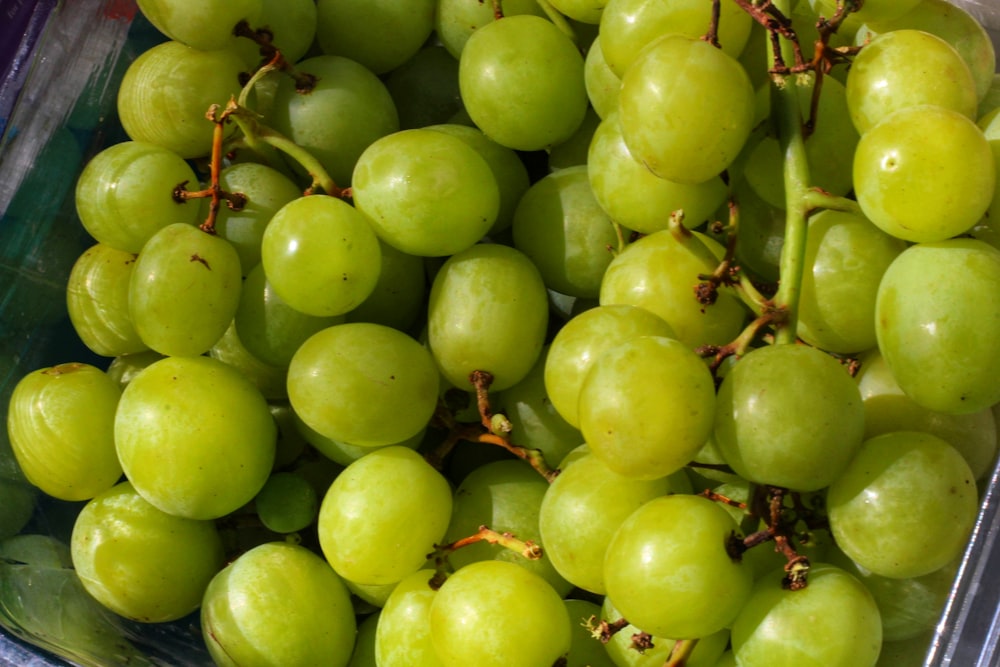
point(402, 636)
point(125, 194)
point(496, 614)
point(990, 125)
point(195, 437)
point(872, 10)
point(905, 505)
point(287, 503)
point(601, 82)
point(321, 255)
point(380, 36)
point(488, 311)
point(141, 562)
point(807, 628)
point(676, 546)
point(97, 301)
point(456, 20)
point(125, 367)
point(426, 193)
point(278, 604)
point(399, 297)
point(585, 11)
point(167, 90)
point(271, 381)
point(202, 25)
point(382, 515)
point(184, 290)
point(425, 88)
point(375, 595)
point(920, 190)
point(686, 108)
point(292, 24)
point(585, 649)
point(521, 80)
point(60, 422)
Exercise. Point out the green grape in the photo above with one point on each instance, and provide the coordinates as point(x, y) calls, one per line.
point(582, 340)
point(905, 505)
point(990, 125)
point(364, 644)
point(141, 562)
point(60, 422)
point(18, 501)
point(402, 637)
point(382, 515)
point(636, 198)
point(425, 88)
point(521, 80)
point(659, 272)
point(872, 11)
point(167, 90)
point(601, 82)
point(584, 11)
point(496, 614)
point(321, 255)
point(290, 445)
point(807, 628)
point(676, 546)
point(582, 509)
point(919, 190)
point(939, 343)
point(678, 135)
point(97, 301)
point(400, 294)
point(125, 194)
point(505, 496)
point(291, 26)
point(363, 384)
point(488, 311)
point(268, 327)
point(194, 437)
point(375, 595)
point(344, 453)
point(125, 367)
point(789, 415)
point(456, 20)
point(560, 226)
point(269, 380)
point(573, 151)
point(347, 109)
point(266, 190)
point(585, 650)
point(727, 659)
point(906, 68)
point(381, 35)
point(287, 503)
point(184, 290)
point(991, 100)
point(845, 258)
point(201, 25)
point(640, 377)
point(278, 604)
point(426, 193)
point(628, 26)
point(761, 232)
point(888, 409)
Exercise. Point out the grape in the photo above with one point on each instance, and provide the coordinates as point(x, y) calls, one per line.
point(287, 503)
point(364, 384)
point(938, 343)
point(488, 311)
point(521, 81)
point(140, 562)
point(761, 232)
point(125, 367)
point(806, 628)
point(425, 88)
point(872, 11)
point(382, 516)
point(905, 505)
point(679, 136)
point(601, 82)
point(495, 614)
point(358, 30)
point(426, 193)
point(194, 437)
point(585, 650)
point(573, 151)
point(585, 11)
point(184, 290)
point(125, 194)
point(364, 644)
point(269, 380)
point(990, 124)
point(789, 415)
point(320, 255)
point(18, 501)
point(402, 637)
point(344, 453)
point(921, 190)
point(291, 27)
point(692, 587)
point(201, 25)
point(60, 422)
point(400, 293)
point(278, 603)
point(456, 20)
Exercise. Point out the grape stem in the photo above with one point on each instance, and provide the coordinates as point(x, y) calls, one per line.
point(603, 631)
point(272, 58)
point(525, 548)
point(712, 36)
point(681, 652)
point(778, 530)
point(558, 19)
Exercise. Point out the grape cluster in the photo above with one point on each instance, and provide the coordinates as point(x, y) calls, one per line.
point(535, 332)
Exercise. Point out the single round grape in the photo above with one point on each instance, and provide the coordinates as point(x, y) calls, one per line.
point(875, 11)
point(919, 190)
point(290, 26)
point(364, 644)
point(402, 637)
point(269, 380)
point(425, 88)
point(278, 603)
point(585, 650)
point(601, 82)
point(201, 25)
point(344, 453)
point(990, 125)
point(358, 30)
point(287, 503)
point(400, 294)
point(905, 505)
point(456, 20)
point(321, 255)
point(125, 367)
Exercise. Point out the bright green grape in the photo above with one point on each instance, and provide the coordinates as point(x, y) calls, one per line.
point(201, 25)
point(789, 415)
point(496, 614)
point(521, 80)
point(184, 290)
point(287, 503)
point(278, 604)
point(382, 516)
point(920, 190)
point(140, 562)
point(601, 82)
point(60, 422)
point(194, 437)
point(321, 255)
point(426, 193)
point(425, 88)
point(456, 20)
point(402, 637)
point(358, 29)
point(905, 505)
point(97, 301)
point(676, 546)
point(125, 194)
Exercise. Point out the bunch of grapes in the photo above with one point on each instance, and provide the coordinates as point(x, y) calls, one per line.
point(535, 332)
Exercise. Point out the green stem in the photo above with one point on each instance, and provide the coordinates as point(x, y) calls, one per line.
point(558, 19)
